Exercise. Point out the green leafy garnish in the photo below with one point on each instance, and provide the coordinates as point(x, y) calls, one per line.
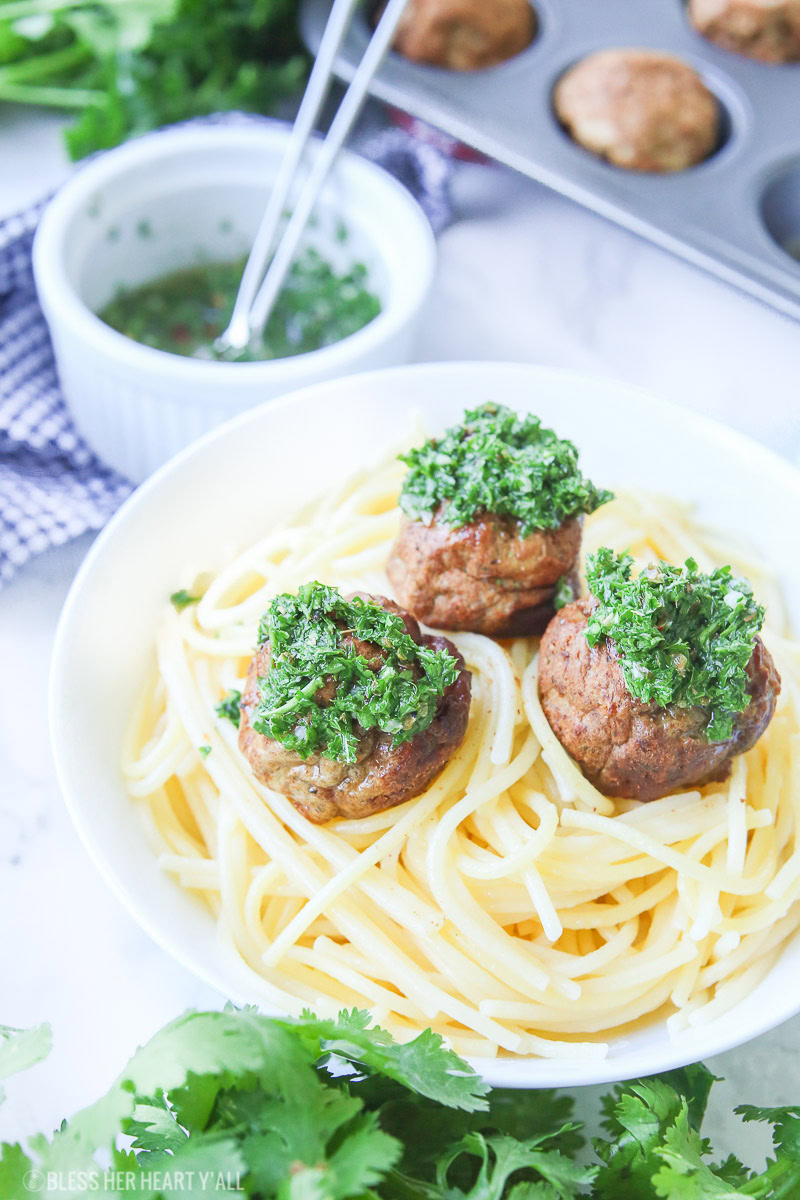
point(182, 599)
point(228, 707)
point(683, 637)
point(324, 1109)
point(204, 751)
point(311, 641)
point(501, 463)
point(22, 1048)
point(124, 66)
point(564, 593)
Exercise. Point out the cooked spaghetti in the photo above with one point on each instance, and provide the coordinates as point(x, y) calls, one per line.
point(511, 907)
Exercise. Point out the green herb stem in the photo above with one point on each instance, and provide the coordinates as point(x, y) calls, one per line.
point(41, 65)
point(45, 97)
point(15, 10)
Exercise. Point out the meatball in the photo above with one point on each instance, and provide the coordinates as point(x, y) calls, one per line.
point(465, 34)
point(383, 775)
point(484, 576)
point(639, 109)
point(624, 746)
point(764, 29)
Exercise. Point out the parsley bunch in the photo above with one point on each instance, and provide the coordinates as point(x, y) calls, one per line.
point(398, 694)
point(125, 66)
point(314, 1109)
point(682, 637)
point(501, 463)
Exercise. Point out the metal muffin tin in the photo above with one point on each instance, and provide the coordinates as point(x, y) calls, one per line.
point(732, 214)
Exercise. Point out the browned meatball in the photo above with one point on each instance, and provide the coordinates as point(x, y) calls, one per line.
point(383, 775)
point(624, 746)
point(639, 109)
point(764, 29)
point(465, 34)
point(483, 576)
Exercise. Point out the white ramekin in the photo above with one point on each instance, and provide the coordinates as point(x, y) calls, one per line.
point(196, 193)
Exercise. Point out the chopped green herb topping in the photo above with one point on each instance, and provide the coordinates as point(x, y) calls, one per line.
point(185, 311)
point(229, 707)
point(564, 593)
point(682, 637)
point(204, 751)
point(502, 463)
point(182, 599)
point(312, 640)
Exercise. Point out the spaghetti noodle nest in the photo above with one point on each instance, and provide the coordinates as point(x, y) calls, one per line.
point(511, 906)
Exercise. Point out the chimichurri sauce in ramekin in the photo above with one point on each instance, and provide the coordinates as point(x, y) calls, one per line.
point(184, 312)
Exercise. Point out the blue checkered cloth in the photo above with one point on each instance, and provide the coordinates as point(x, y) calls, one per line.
point(52, 485)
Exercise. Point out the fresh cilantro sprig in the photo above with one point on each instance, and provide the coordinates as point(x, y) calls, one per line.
point(125, 66)
point(398, 691)
point(320, 1109)
point(251, 1100)
point(502, 463)
point(683, 637)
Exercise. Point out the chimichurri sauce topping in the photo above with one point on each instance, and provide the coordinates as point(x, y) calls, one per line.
point(306, 636)
point(683, 637)
point(184, 312)
point(498, 461)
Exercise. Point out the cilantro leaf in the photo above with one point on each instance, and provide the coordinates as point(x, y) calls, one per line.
point(203, 1164)
point(317, 1109)
point(427, 1129)
point(685, 1174)
point(501, 463)
point(637, 1115)
point(782, 1176)
point(14, 1168)
point(423, 1065)
point(501, 1157)
point(363, 1158)
point(153, 1126)
point(694, 1082)
point(786, 1122)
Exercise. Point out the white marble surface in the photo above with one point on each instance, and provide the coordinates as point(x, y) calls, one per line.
point(523, 275)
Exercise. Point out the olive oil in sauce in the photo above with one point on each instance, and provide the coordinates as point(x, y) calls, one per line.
point(185, 311)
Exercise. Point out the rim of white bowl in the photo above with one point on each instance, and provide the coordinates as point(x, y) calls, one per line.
point(498, 1072)
point(63, 304)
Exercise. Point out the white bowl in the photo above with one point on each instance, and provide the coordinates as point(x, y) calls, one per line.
point(171, 199)
point(226, 490)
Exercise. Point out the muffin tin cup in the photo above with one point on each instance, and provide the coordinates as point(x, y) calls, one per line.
point(735, 214)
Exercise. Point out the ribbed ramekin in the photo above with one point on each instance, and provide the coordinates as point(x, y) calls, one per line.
point(167, 200)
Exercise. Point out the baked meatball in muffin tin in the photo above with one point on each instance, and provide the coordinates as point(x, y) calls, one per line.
point(639, 109)
point(686, 110)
